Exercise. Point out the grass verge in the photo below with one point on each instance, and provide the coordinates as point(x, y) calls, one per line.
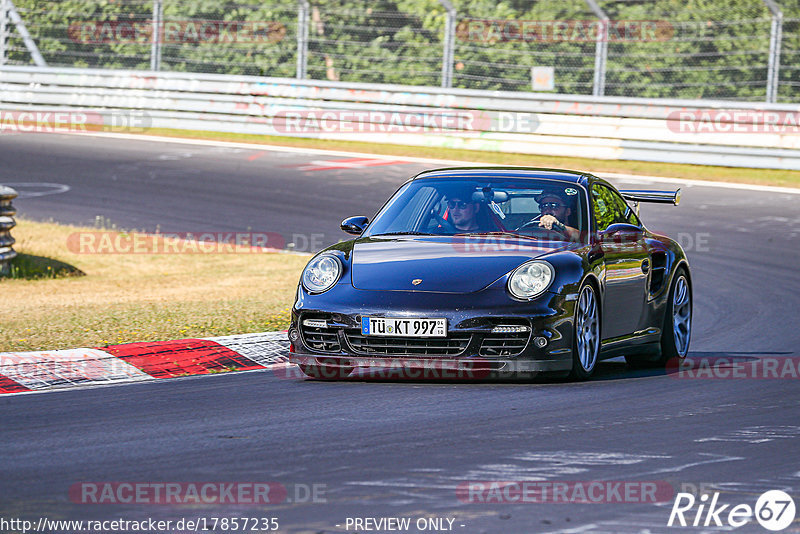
point(774, 177)
point(139, 297)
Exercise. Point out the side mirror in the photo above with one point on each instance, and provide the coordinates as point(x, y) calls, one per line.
point(355, 225)
point(621, 232)
point(621, 228)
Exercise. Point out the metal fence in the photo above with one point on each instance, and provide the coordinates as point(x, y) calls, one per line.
point(737, 49)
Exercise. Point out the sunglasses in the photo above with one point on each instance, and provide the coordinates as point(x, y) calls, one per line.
point(551, 205)
point(453, 204)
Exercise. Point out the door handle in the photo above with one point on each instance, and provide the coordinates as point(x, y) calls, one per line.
point(645, 266)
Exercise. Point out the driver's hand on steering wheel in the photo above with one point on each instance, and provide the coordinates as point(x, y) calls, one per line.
point(547, 221)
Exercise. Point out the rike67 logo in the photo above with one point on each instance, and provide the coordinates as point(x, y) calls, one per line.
point(774, 510)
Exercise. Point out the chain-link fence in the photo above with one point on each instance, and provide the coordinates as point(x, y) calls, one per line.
point(789, 75)
point(714, 49)
point(498, 47)
point(717, 50)
point(371, 44)
point(179, 35)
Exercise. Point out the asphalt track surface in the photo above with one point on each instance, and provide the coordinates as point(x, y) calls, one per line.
point(393, 448)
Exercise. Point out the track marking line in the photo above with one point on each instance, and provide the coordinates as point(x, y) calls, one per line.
point(257, 155)
point(350, 163)
point(50, 188)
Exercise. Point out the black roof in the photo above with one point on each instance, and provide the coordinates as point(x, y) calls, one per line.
point(505, 172)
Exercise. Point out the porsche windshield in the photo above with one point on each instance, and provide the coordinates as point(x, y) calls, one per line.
point(540, 209)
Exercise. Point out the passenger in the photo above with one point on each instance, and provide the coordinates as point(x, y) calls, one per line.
point(463, 212)
point(466, 212)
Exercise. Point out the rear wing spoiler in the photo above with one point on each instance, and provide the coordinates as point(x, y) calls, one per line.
point(661, 197)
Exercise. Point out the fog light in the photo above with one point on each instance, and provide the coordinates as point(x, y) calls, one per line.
point(315, 323)
point(509, 329)
point(293, 335)
point(540, 342)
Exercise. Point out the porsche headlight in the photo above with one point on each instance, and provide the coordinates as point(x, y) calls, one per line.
point(321, 273)
point(530, 279)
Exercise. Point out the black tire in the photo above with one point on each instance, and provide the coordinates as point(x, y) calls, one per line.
point(671, 348)
point(325, 372)
point(586, 343)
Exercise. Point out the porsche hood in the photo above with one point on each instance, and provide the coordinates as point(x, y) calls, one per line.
point(438, 264)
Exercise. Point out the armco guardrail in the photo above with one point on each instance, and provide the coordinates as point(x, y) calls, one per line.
point(737, 134)
point(7, 212)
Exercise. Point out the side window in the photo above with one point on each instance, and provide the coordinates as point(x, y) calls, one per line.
point(409, 215)
point(632, 218)
point(610, 208)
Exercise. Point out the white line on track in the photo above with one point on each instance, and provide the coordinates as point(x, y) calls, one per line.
point(298, 150)
point(49, 188)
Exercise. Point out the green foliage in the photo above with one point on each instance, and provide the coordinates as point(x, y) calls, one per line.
point(55, 26)
point(701, 48)
point(497, 44)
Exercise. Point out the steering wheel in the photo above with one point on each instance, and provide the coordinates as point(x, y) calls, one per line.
point(533, 224)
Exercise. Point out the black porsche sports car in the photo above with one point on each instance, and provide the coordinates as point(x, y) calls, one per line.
point(496, 272)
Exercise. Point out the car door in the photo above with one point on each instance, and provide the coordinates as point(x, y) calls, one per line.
point(621, 240)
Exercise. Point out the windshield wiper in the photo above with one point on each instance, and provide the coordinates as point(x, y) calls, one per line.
point(403, 233)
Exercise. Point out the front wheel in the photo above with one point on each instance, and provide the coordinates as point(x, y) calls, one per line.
point(586, 338)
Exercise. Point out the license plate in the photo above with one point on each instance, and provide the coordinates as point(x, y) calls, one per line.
point(403, 327)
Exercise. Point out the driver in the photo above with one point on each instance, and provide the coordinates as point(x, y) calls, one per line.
point(554, 206)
